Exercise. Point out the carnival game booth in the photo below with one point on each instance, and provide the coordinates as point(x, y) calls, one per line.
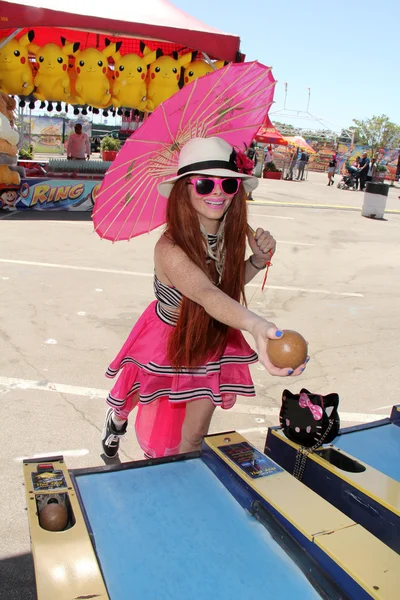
point(270, 137)
point(90, 57)
point(228, 522)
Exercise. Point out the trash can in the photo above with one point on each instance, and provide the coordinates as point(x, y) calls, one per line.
point(375, 197)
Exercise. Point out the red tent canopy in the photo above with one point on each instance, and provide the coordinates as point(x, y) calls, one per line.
point(157, 21)
point(268, 134)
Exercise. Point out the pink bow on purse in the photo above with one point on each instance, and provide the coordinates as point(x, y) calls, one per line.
point(316, 411)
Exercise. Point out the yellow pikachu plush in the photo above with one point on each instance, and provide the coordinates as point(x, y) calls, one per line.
point(93, 86)
point(163, 77)
point(129, 86)
point(198, 68)
point(16, 76)
point(52, 82)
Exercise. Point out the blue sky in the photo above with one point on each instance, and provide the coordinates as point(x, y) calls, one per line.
point(346, 52)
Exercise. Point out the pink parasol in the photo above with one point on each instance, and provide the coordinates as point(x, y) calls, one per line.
point(230, 103)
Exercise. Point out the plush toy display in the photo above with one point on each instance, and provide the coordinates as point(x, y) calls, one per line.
point(129, 86)
point(163, 78)
point(198, 68)
point(86, 80)
point(8, 142)
point(52, 82)
point(92, 83)
point(16, 76)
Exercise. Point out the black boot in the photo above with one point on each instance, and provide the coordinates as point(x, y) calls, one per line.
point(111, 435)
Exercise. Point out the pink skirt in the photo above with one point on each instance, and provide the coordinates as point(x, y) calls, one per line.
point(146, 377)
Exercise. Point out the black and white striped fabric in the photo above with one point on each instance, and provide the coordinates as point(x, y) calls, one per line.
point(169, 298)
point(169, 301)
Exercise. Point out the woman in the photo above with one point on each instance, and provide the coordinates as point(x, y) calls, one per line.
point(332, 169)
point(186, 354)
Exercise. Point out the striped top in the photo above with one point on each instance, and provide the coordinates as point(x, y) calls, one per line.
point(169, 298)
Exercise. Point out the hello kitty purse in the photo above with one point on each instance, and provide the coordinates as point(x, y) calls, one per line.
point(309, 420)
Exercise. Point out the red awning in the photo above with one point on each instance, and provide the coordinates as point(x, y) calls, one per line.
point(268, 134)
point(92, 20)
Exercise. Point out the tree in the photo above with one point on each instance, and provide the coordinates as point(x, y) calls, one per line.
point(377, 132)
point(285, 128)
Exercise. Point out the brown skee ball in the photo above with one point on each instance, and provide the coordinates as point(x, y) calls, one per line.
point(53, 517)
point(290, 351)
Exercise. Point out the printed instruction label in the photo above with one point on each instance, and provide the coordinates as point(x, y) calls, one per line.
point(250, 460)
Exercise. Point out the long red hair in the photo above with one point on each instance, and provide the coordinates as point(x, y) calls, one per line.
point(197, 334)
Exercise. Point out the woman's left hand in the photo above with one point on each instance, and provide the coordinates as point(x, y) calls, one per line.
point(262, 244)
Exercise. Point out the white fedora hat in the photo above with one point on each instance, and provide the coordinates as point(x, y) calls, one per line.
point(207, 156)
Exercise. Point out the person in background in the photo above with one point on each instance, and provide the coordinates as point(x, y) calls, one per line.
point(371, 170)
point(252, 154)
point(78, 144)
point(302, 166)
point(363, 172)
point(293, 163)
point(354, 170)
point(268, 155)
point(331, 169)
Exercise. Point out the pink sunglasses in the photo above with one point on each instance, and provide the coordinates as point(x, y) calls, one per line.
point(206, 185)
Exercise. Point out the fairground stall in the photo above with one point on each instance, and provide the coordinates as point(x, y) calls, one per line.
point(88, 58)
point(270, 139)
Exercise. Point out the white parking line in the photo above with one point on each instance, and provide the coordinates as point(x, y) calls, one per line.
point(296, 243)
point(14, 383)
point(383, 407)
point(262, 430)
point(74, 453)
point(74, 267)
point(137, 274)
point(248, 409)
point(264, 216)
point(289, 288)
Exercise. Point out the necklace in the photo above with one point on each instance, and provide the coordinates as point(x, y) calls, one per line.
point(215, 247)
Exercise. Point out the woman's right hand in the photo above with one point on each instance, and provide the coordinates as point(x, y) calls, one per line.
point(263, 331)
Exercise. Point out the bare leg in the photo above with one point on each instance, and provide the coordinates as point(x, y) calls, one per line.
point(197, 422)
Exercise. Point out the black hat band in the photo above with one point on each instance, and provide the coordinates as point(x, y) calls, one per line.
point(205, 165)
